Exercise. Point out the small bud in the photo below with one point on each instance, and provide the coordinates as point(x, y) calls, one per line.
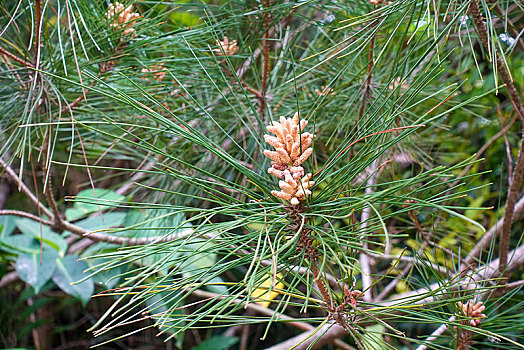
point(226, 47)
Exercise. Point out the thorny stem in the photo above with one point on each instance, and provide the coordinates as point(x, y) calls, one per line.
point(518, 173)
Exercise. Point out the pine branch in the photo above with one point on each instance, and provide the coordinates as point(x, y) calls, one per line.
point(26, 215)
point(331, 330)
point(57, 223)
point(487, 238)
point(15, 58)
point(265, 65)
point(364, 221)
point(22, 187)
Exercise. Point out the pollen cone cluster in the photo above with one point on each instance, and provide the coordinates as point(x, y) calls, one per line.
point(229, 47)
point(292, 148)
point(122, 17)
point(473, 311)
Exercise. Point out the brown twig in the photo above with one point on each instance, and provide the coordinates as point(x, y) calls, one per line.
point(15, 58)
point(8, 279)
point(331, 330)
point(262, 98)
point(24, 214)
point(367, 84)
point(25, 189)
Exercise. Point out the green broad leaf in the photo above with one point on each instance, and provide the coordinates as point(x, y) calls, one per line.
point(74, 213)
point(199, 261)
point(85, 202)
point(99, 247)
point(107, 278)
point(69, 270)
point(49, 238)
point(98, 222)
point(17, 244)
point(36, 269)
point(219, 342)
point(7, 225)
point(169, 303)
point(374, 339)
point(184, 18)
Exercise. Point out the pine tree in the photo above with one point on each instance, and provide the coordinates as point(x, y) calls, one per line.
point(289, 167)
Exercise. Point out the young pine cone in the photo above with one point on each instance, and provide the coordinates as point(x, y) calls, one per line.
point(228, 47)
point(122, 17)
point(473, 312)
point(292, 148)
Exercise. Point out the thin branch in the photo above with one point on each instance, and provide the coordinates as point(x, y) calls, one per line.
point(8, 279)
point(436, 334)
point(486, 239)
point(262, 102)
point(364, 259)
point(24, 214)
point(94, 236)
point(24, 188)
point(15, 58)
point(331, 330)
point(518, 174)
point(125, 241)
point(328, 332)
